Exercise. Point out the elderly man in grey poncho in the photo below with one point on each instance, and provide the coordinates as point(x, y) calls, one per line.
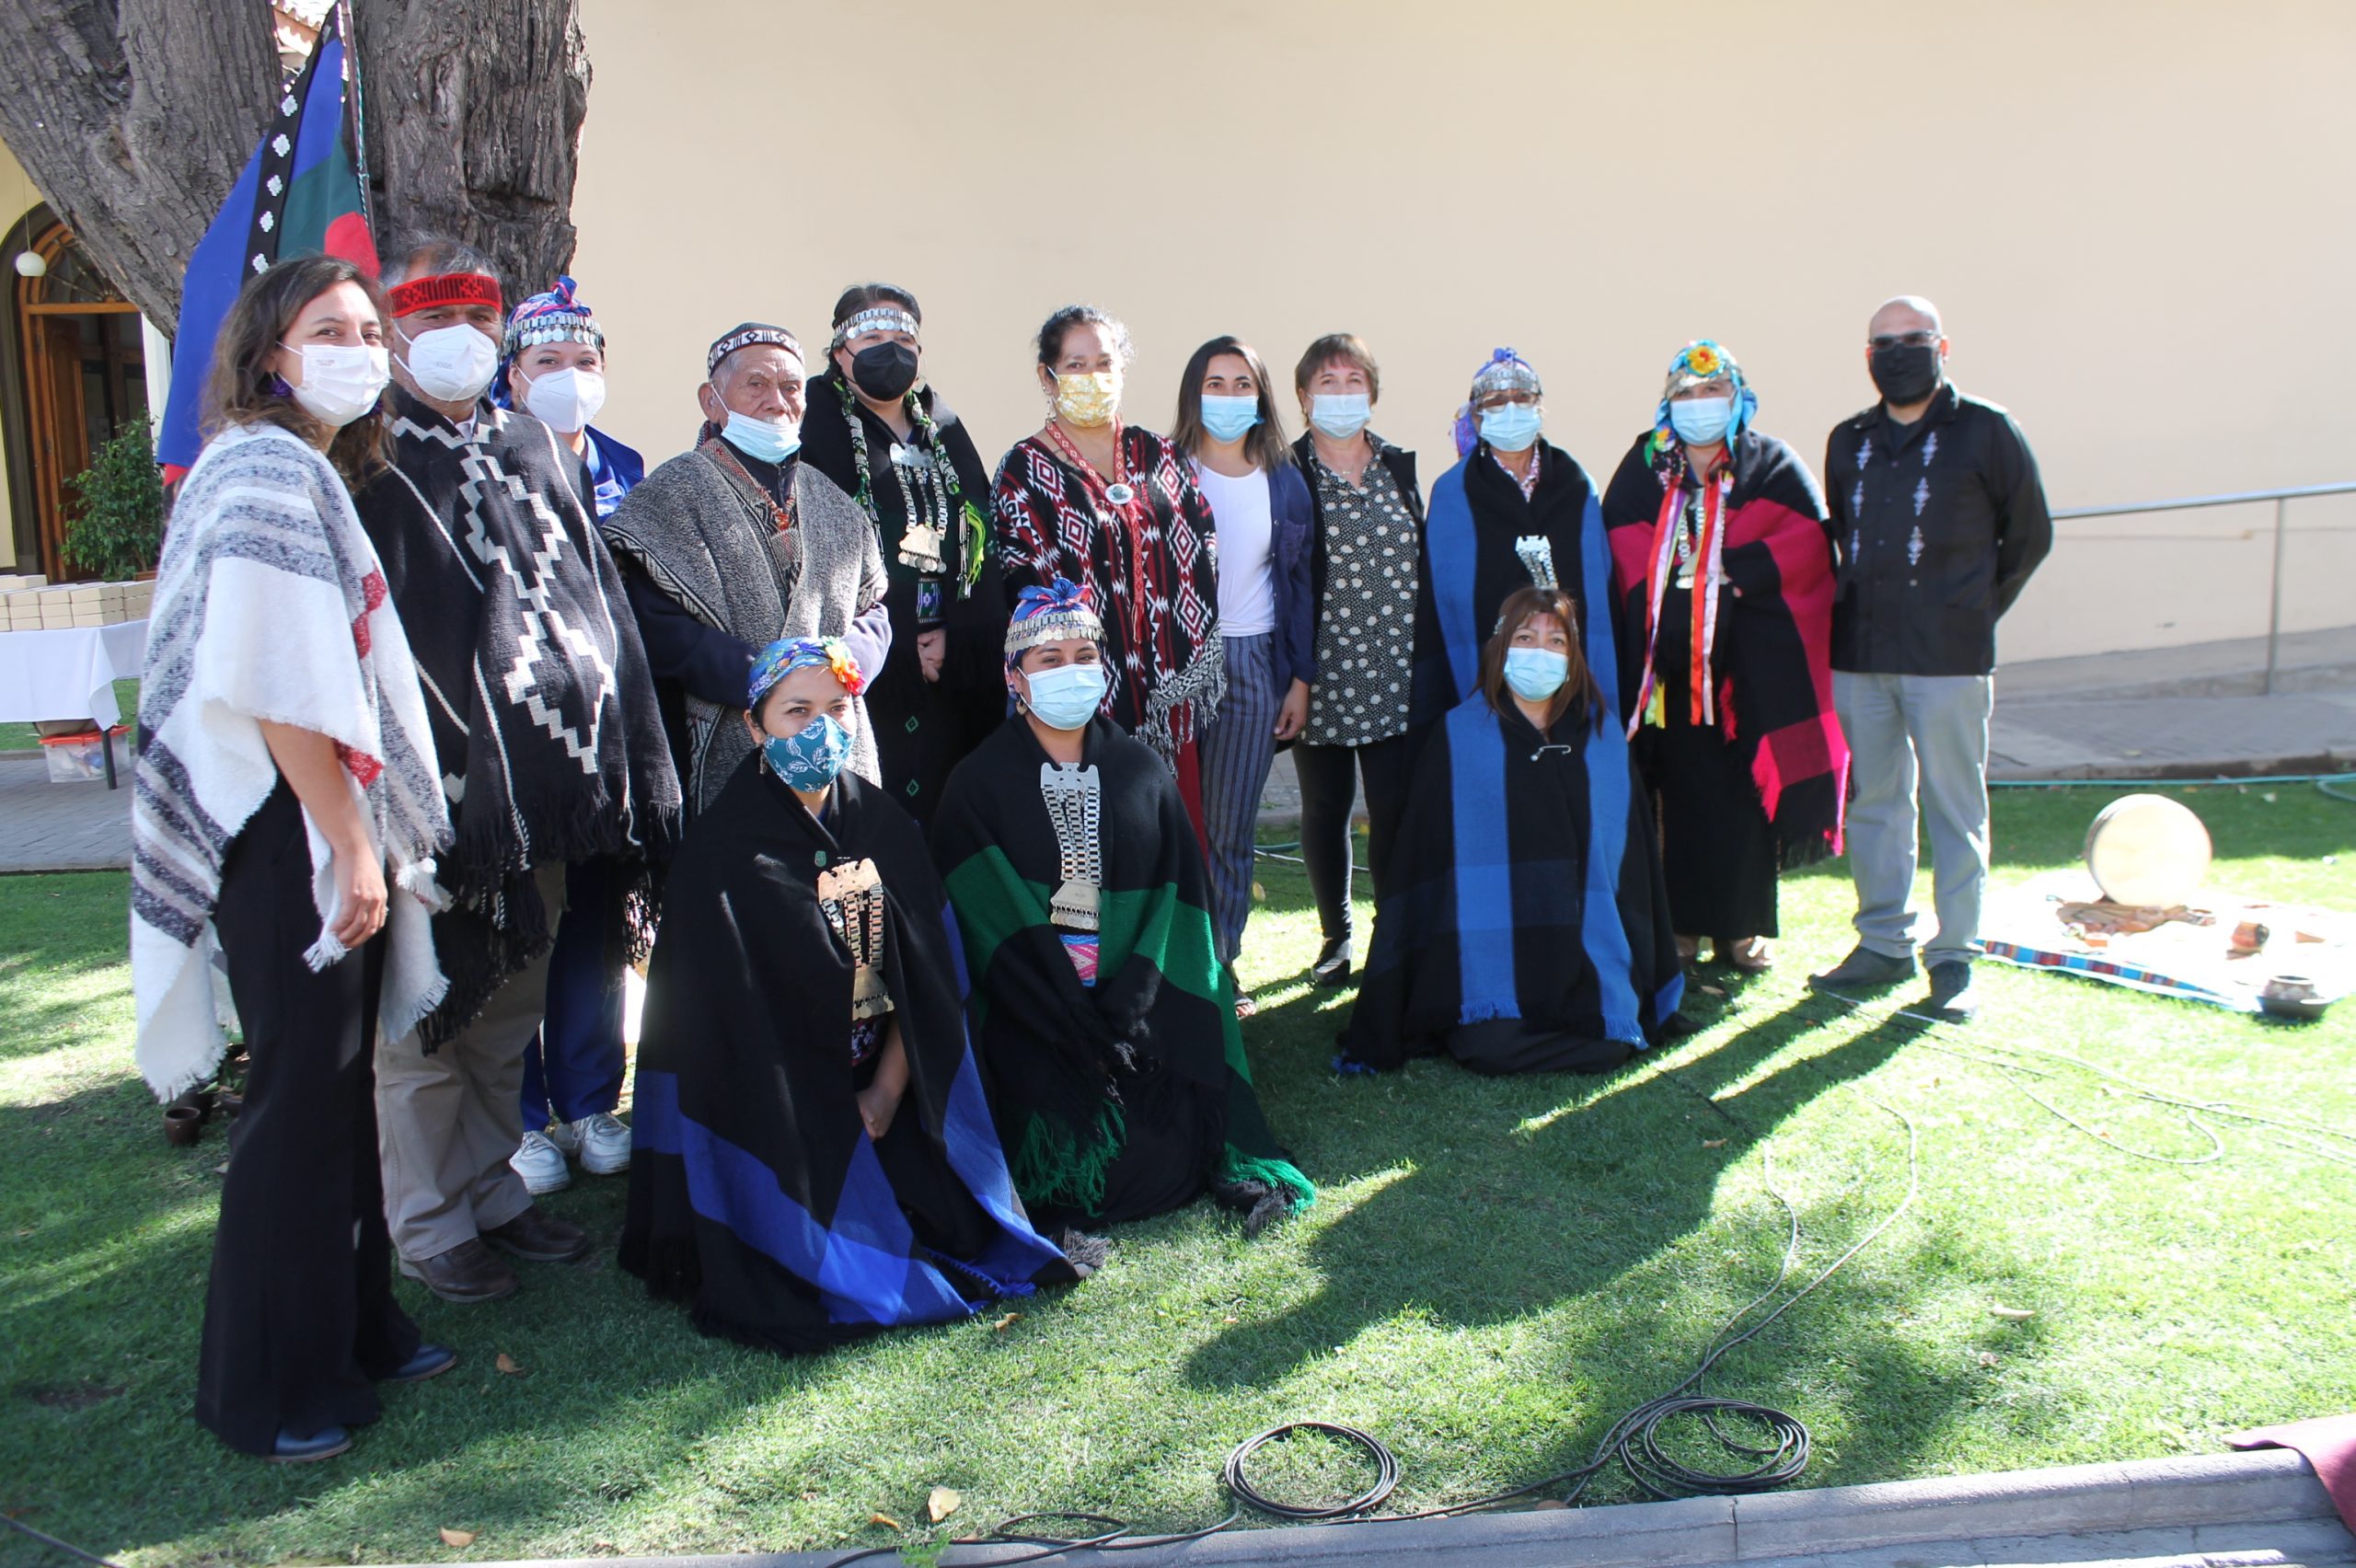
point(729, 546)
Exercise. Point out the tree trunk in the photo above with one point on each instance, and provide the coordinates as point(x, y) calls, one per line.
point(473, 111)
point(133, 118)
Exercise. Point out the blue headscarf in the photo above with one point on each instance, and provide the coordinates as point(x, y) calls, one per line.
point(781, 658)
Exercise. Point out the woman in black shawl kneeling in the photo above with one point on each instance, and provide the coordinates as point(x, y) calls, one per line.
point(1526, 925)
point(1104, 1018)
point(797, 1186)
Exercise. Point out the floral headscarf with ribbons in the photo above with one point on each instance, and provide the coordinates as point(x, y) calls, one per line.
point(1502, 371)
point(781, 658)
point(1696, 364)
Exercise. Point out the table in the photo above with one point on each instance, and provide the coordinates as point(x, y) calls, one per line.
point(70, 675)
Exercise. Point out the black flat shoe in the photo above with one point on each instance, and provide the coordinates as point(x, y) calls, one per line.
point(430, 1361)
point(1333, 966)
point(324, 1444)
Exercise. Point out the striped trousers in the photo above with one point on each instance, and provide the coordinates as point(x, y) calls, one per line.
point(1239, 747)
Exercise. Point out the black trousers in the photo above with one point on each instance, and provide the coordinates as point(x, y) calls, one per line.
point(1329, 778)
point(299, 1316)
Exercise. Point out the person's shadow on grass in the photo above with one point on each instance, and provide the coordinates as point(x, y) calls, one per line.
point(1495, 1201)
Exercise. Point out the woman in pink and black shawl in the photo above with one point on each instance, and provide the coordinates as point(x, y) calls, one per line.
point(1726, 690)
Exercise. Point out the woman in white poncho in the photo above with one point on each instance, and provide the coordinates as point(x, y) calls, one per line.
point(285, 818)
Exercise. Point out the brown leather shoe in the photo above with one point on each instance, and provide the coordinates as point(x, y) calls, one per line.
point(538, 1237)
point(466, 1272)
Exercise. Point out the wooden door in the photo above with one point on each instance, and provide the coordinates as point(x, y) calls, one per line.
point(83, 378)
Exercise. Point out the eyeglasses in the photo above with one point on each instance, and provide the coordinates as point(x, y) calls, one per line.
point(1908, 340)
point(1499, 399)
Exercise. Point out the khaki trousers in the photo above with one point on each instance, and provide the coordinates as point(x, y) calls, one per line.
point(446, 1124)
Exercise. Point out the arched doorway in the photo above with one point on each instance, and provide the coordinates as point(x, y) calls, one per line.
point(84, 376)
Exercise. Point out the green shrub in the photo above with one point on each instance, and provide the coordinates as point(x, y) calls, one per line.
point(118, 529)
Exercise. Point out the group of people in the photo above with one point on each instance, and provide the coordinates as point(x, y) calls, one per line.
point(455, 710)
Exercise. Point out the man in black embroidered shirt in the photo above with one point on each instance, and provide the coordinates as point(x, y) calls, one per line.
point(1938, 518)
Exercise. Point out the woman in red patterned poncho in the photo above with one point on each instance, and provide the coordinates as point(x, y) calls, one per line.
point(1114, 507)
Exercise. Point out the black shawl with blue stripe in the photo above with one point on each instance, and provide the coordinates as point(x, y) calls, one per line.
point(1526, 881)
point(1467, 568)
point(1526, 886)
point(756, 1194)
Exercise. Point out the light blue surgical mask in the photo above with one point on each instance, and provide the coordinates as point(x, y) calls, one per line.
point(1067, 696)
point(809, 758)
point(771, 442)
point(1340, 415)
point(1228, 418)
point(1512, 427)
point(1536, 673)
point(1699, 421)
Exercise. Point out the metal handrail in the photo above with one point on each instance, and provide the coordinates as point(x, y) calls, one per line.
point(2282, 498)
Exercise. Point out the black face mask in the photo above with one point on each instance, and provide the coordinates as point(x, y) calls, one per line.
point(886, 371)
point(1905, 372)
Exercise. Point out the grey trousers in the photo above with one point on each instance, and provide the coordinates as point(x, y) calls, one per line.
point(447, 1123)
point(1910, 737)
point(1239, 748)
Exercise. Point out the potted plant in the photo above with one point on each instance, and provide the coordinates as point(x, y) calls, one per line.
point(117, 531)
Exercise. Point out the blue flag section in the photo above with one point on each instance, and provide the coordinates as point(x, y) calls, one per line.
point(298, 196)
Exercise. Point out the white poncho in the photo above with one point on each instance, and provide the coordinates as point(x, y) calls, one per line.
point(270, 605)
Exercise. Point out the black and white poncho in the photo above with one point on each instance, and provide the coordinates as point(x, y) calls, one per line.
point(271, 603)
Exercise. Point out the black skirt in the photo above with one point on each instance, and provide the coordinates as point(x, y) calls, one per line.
point(1717, 847)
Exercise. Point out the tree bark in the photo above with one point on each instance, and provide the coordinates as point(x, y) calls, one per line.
point(134, 120)
point(134, 117)
point(473, 111)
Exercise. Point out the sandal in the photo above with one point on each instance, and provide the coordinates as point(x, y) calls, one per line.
point(1750, 955)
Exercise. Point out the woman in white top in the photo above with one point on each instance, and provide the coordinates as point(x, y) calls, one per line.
point(1227, 426)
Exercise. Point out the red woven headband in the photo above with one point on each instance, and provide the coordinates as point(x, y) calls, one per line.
point(446, 288)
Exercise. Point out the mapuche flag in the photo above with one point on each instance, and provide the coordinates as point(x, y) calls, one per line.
point(298, 196)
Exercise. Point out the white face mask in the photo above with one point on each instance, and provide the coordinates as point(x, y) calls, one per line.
point(566, 400)
point(1340, 415)
point(339, 382)
point(452, 364)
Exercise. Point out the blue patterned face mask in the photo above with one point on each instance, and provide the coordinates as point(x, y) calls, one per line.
point(810, 757)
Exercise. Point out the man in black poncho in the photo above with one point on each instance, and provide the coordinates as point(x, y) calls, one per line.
point(803, 1183)
point(549, 748)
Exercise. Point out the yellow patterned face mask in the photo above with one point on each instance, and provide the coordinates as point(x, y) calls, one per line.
point(1090, 400)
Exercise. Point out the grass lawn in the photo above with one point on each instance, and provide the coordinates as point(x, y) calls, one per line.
point(1493, 1272)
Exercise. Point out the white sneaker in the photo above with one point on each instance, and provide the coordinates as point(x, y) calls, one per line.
point(541, 1164)
point(603, 1142)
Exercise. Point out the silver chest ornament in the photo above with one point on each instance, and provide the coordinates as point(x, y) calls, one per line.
point(850, 894)
point(1075, 806)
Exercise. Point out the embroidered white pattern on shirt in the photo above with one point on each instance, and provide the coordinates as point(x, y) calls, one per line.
point(1864, 450)
point(1857, 498)
point(1914, 546)
point(1930, 447)
point(1921, 495)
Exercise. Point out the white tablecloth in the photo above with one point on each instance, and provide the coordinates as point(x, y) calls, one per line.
point(69, 674)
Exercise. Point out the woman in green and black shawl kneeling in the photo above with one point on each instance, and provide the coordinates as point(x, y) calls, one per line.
point(1103, 1016)
point(814, 1157)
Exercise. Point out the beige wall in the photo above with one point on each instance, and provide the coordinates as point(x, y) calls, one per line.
point(2128, 209)
point(17, 197)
